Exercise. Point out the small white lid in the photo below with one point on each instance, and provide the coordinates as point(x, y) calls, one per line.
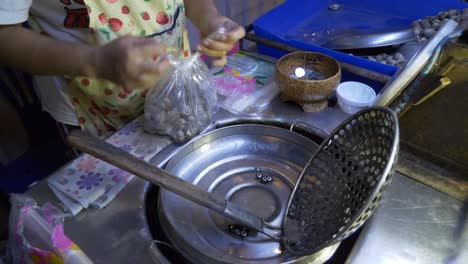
point(356, 93)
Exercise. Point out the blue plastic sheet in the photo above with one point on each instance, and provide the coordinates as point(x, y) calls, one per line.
point(307, 24)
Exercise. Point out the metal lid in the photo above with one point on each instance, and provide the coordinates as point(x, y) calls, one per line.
point(353, 40)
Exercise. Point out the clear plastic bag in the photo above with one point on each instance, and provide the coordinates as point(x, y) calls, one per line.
point(246, 84)
point(183, 102)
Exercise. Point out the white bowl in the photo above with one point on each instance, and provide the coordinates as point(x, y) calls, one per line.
point(354, 96)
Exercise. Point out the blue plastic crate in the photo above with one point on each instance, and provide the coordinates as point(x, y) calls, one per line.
point(294, 22)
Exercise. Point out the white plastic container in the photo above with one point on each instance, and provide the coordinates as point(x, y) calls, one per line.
point(354, 96)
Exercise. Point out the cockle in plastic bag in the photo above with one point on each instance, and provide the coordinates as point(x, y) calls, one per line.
point(183, 102)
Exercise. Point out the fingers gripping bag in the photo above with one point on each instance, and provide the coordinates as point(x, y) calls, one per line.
point(183, 102)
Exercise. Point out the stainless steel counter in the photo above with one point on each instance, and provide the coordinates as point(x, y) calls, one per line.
point(414, 224)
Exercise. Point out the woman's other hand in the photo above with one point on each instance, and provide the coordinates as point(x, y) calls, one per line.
point(219, 35)
point(130, 62)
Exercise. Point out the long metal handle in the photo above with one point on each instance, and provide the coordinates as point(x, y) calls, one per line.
point(119, 158)
point(406, 74)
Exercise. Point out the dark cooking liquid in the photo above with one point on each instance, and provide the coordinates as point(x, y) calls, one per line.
point(310, 74)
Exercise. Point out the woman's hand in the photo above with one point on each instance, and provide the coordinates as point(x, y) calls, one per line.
point(126, 61)
point(215, 43)
point(130, 62)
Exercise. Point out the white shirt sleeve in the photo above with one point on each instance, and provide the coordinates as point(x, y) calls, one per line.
point(14, 11)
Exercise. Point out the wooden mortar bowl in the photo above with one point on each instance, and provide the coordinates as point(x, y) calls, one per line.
point(311, 95)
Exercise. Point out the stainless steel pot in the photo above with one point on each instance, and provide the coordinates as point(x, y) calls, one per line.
point(255, 166)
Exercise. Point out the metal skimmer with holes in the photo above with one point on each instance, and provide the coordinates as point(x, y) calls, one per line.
point(335, 193)
point(343, 182)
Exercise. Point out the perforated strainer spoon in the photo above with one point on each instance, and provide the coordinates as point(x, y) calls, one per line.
point(336, 192)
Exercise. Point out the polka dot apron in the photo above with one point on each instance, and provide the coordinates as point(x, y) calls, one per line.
point(102, 106)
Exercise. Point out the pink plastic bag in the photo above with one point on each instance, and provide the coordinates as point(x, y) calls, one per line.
point(37, 235)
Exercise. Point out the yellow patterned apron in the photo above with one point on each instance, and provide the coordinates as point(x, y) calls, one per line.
point(103, 107)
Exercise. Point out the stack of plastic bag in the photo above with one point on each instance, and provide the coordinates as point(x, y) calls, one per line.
point(37, 235)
